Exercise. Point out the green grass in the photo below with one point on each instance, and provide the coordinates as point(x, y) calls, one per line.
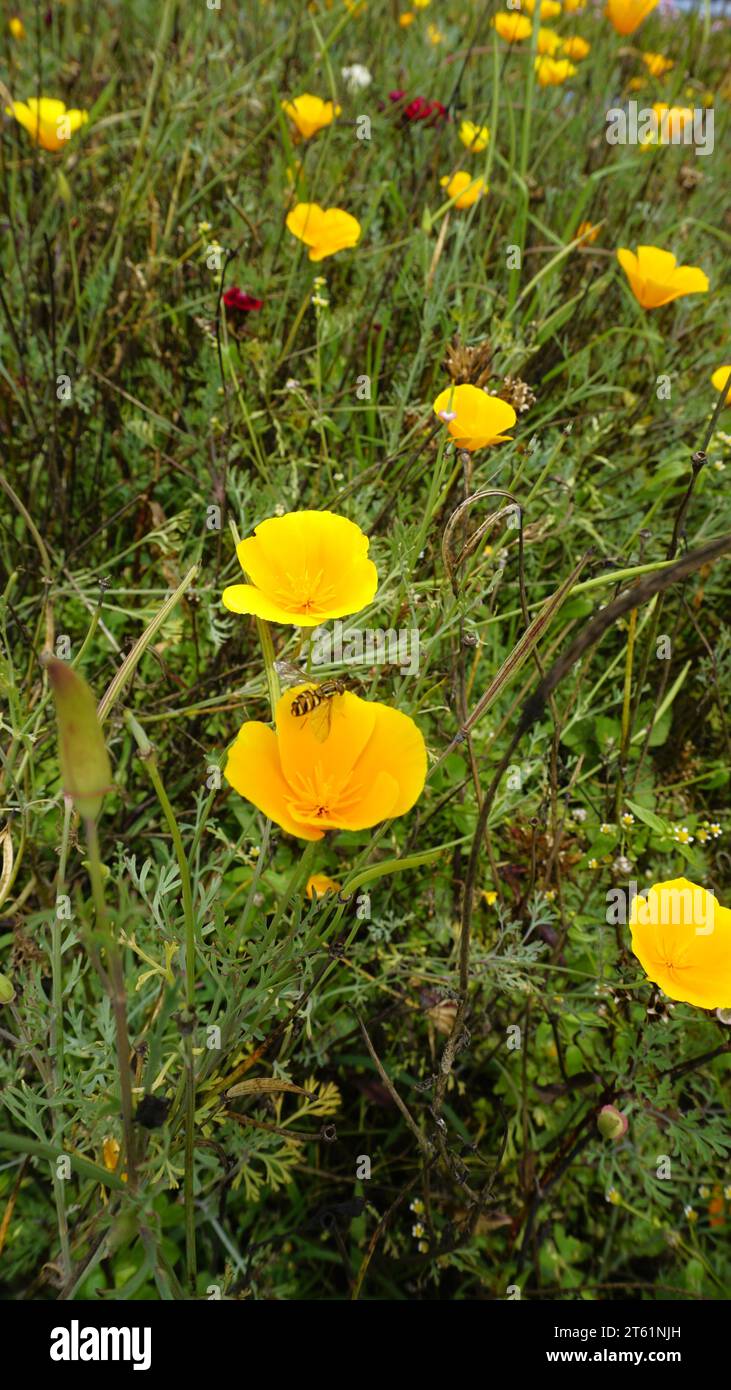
point(121, 506)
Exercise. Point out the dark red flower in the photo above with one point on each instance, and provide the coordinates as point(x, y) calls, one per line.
point(419, 109)
point(238, 300)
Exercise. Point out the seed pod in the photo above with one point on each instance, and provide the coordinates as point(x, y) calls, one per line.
point(86, 772)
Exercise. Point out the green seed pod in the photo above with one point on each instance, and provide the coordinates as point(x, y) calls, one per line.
point(7, 992)
point(86, 772)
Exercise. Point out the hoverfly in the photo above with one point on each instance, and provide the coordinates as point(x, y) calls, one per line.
point(314, 705)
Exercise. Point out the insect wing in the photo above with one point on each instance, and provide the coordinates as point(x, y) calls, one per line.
point(289, 674)
point(320, 720)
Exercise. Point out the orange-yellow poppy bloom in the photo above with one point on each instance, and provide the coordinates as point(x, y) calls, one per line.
point(548, 41)
point(672, 122)
point(473, 418)
point(324, 230)
point(310, 114)
point(721, 379)
point(475, 137)
point(549, 9)
point(16, 27)
point(656, 278)
point(47, 121)
point(682, 938)
point(319, 884)
point(575, 48)
point(553, 71)
point(305, 568)
point(463, 188)
point(406, 18)
point(656, 64)
point(369, 766)
point(511, 27)
point(587, 233)
point(627, 15)
point(573, 6)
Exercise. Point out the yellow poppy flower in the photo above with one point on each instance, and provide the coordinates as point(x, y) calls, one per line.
point(47, 120)
point(16, 27)
point(656, 64)
point(421, 4)
point(587, 233)
point(573, 6)
point(553, 71)
point(475, 137)
point(110, 1153)
point(627, 15)
point(721, 379)
point(319, 884)
point(672, 122)
point(550, 9)
point(682, 938)
point(305, 568)
point(473, 418)
point(310, 114)
point(463, 188)
point(324, 230)
point(370, 766)
point(656, 278)
point(511, 27)
point(406, 19)
point(575, 48)
point(548, 41)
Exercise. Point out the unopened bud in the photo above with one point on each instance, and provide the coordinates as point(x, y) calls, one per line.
point(611, 1123)
point(86, 772)
point(7, 992)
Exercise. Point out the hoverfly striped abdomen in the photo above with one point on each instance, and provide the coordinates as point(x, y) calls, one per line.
point(316, 695)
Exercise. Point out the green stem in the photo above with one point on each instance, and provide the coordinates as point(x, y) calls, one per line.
point(115, 985)
point(57, 1034)
point(147, 753)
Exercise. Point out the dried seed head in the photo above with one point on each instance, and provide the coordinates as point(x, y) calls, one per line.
point(517, 393)
point(469, 366)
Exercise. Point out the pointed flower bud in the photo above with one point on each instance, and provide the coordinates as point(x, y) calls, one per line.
point(612, 1123)
point(7, 992)
point(86, 772)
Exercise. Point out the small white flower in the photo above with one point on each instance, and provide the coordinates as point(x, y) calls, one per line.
point(682, 835)
point(356, 77)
